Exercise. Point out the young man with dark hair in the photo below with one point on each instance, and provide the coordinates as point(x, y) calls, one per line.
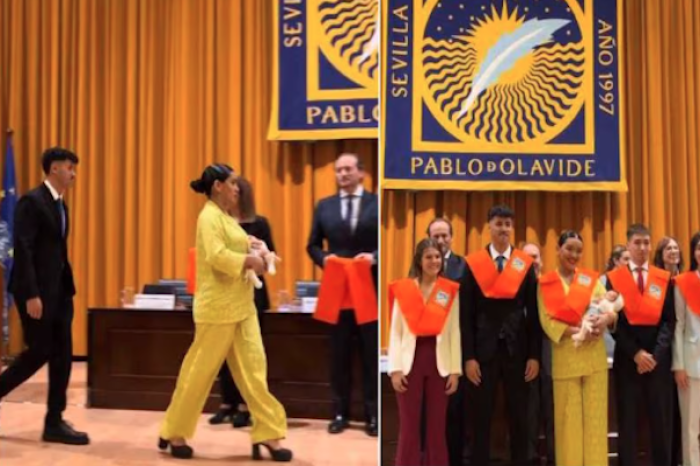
point(41, 282)
point(642, 359)
point(501, 334)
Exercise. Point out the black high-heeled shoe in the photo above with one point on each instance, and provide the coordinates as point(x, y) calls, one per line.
point(279, 454)
point(183, 452)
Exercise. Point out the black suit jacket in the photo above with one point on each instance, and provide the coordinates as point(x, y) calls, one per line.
point(456, 267)
point(328, 225)
point(482, 318)
point(41, 267)
point(655, 339)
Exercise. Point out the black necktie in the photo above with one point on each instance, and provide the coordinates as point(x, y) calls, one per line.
point(500, 260)
point(348, 211)
point(62, 213)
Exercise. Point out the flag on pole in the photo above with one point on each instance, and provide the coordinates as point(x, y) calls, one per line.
point(7, 219)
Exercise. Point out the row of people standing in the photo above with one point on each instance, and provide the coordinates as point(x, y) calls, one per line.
point(491, 330)
point(501, 335)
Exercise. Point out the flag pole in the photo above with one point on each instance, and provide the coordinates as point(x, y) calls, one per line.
point(4, 318)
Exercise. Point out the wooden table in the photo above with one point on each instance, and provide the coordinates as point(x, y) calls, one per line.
point(134, 356)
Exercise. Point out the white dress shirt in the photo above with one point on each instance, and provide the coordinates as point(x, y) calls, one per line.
point(495, 254)
point(54, 193)
point(355, 206)
point(445, 259)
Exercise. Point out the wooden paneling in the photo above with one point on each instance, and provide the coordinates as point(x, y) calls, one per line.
point(135, 356)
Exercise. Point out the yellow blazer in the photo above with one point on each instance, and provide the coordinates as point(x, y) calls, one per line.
point(567, 360)
point(222, 296)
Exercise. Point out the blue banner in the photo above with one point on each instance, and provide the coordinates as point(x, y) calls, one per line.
point(503, 95)
point(326, 70)
point(7, 220)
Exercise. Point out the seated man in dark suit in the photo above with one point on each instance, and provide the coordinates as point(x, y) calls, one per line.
point(41, 282)
point(348, 222)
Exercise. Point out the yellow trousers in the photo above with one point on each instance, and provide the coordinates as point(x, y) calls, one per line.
point(581, 420)
point(240, 344)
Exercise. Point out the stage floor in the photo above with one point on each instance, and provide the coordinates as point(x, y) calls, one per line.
point(128, 438)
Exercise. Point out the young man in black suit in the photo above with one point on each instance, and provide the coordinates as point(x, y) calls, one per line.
point(41, 282)
point(501, 334)
point(642, 358)
point(440, 229)
point(348, 221)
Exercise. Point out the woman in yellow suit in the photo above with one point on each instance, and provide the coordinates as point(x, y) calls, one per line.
point(226, 327)
point(580, 372)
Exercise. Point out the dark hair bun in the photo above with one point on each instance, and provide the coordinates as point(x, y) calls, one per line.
point(198, 186)
point(568, 234)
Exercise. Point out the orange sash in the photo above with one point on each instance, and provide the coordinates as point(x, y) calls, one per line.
point(689, 284)
point(191, 270)
point(641, 309)
point(568, 308)
point(424, 319)
point(504, 285)
point(346, 284)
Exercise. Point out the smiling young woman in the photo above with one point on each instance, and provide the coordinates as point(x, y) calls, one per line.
point(425, 357)
point(580, 373)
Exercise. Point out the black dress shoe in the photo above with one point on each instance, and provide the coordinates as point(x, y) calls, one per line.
point(280, 454)
point(241, 419)
point(62, 432)
point(222, 416)
point(183, 452)
point(338, 425)
point(371, 427)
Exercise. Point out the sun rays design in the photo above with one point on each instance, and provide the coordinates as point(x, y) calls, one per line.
point(524, 98)
point(351, 37)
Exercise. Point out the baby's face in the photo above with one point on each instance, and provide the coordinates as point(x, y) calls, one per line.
point(611, 295)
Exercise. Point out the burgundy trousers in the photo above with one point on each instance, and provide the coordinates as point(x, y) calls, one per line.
point(423, 380)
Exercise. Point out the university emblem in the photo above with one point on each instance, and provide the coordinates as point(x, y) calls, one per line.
point(503, 94)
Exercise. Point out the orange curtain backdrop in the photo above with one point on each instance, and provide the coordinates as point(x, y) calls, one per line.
point(663, 162)
point(148, 93)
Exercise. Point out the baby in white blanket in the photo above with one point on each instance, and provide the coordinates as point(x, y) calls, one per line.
point(268, 256)
point(611, 302)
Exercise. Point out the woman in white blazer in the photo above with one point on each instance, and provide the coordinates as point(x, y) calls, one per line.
point(686, 354)
point(425, 359)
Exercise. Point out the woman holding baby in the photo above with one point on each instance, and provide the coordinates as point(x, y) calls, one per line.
point(575, 311)
point(233, 408)
point(226, 326)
